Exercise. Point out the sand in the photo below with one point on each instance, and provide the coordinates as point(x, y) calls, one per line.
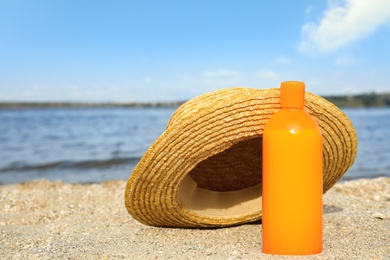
point(56, 220)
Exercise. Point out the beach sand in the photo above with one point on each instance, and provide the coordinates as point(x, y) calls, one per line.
point(56, 220)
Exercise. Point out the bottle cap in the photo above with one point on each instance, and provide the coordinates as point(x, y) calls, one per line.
point(292, 94)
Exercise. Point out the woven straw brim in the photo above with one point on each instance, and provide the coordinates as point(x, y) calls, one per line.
point(205, 169)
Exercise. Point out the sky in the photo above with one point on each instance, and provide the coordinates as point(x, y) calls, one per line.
point(174, 50)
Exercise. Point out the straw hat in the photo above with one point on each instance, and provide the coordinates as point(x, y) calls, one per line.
point(205, 168)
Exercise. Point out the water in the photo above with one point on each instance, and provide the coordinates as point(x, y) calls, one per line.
point(76, 145)
point(97, 144)
point(373, 131)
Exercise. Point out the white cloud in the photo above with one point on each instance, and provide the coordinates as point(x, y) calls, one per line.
point(222, 77)
point(267, 74)
point(343, 23)
point(309, 10)
point(344, 61)
point(282, 60)
point(66, 92)
point(148, 80)
point(221, 73)
point(348, 89)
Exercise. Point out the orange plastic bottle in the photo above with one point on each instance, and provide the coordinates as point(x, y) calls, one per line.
point(292, 178)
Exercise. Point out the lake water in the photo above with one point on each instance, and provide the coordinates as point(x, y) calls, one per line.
point(97, 144)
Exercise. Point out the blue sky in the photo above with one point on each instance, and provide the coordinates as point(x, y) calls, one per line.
point(166, 50)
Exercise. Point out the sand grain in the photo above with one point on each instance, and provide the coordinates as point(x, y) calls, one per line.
point(51, 220)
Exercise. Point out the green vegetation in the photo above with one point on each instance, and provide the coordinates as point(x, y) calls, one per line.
point(362, 100)
point(11, 105)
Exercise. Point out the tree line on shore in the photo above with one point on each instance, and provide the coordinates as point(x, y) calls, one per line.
point(362, 100)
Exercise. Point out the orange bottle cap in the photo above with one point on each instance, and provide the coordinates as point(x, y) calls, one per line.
point(292, 94)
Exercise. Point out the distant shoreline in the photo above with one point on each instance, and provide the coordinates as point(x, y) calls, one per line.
point(354, 101)
point(20, 105)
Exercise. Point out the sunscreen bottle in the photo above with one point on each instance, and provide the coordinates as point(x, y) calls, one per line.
point(292, 178)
